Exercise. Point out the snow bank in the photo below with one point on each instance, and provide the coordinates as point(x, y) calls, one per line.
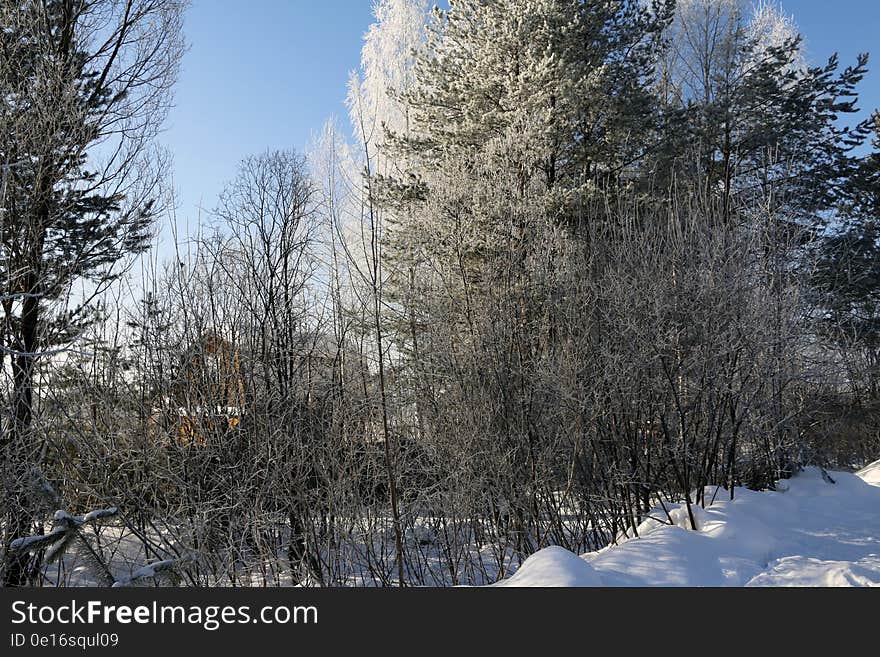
point(554, 566)
point(810, 532)
point(871, 473)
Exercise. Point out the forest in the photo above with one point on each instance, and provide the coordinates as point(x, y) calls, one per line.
point(566, 265)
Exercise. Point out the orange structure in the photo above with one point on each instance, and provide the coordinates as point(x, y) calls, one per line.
point(209, 395)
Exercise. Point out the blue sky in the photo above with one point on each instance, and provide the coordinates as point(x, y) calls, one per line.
point(267, 73)
point(258, 74)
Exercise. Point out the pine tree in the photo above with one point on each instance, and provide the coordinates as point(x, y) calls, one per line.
point(845, 280)
point(757, 135)
point(547, 99)
point(520, 116)
point(566, 76)
point(739, 100)
point(79, 181)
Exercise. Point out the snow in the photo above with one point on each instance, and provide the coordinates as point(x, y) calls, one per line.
point(34, 542)
point(150, 570)
point(64, 521)
point(809, 532)
point(871, 473)
point(806, 571)
point(97, 514)
point(62, 516)
point(554, 566)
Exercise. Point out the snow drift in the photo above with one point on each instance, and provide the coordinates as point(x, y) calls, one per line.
point(810, 532)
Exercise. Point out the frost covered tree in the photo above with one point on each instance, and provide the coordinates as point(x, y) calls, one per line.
point(376, 111)
point(520, 114)
point(551, 97)
point(386, 72)
point(566, 78)
point(356, 224)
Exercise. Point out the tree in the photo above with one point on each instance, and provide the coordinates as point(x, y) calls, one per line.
point(567, 78)
point(86, 84)
point(387, 71)
point(846, 276)
point(357, 222)
point(521, 115)
point(736, 91)
point(269, 263)
point(550, 96)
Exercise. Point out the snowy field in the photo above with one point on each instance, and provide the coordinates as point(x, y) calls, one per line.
point(810, 532)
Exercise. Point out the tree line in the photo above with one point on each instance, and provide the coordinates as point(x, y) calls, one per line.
point(571, 261)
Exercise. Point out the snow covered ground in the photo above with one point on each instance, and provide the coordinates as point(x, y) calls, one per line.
point(808, 533)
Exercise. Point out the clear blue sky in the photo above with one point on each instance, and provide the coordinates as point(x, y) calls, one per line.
point(258, 74)
point(267, 74)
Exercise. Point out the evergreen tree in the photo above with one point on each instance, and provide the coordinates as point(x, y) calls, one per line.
point(756, 134)
point(739, 101)
point(520, 108)
point(79, 109)
point(521, 115)
point(846, 276)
